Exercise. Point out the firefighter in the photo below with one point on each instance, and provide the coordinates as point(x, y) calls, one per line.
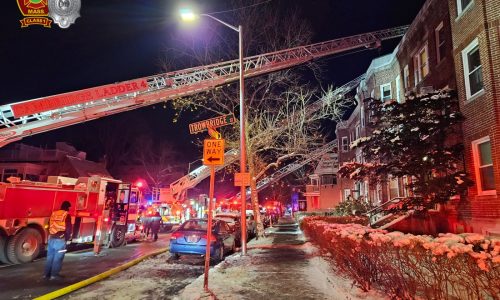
point(59, 235)
point(156, 222)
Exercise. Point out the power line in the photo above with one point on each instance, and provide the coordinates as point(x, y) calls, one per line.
point(236, 9)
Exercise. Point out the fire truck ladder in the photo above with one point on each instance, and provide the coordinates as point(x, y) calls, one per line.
point(290, 168)
point(179, 187)
point(26, 118)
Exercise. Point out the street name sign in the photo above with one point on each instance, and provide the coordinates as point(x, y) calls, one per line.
point(201, 126)
point(241, 179)
point(213, 152)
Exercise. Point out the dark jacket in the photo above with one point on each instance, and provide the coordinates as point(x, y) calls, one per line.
point(156, 223)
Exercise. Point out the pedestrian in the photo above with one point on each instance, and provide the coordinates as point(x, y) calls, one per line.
point(59, 235)
point(147, 224)
point(156, 223)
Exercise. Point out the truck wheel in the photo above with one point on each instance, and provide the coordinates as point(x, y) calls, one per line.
point(3, 252)
point(25, 246)
point(117, 236)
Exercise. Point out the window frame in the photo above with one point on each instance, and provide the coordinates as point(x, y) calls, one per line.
point(466, 72)
point(382, 86)
point(438, 41)
point(362, 116)
point(477, 166)
point(460, 9)
point(419, 66)
point(406, 77)
point(346, 144)
point(398, 88)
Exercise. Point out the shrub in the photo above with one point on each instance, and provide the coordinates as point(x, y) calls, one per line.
point(450, 266)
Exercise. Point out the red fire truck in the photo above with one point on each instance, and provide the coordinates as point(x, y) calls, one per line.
point(103, 211)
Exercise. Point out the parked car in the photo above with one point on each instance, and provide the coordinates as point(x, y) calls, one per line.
point(234, 222)
point(191, 238)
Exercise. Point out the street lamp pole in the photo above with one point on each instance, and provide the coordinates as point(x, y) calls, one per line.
point(189, 15)
point(243, 151)
point(242, 145)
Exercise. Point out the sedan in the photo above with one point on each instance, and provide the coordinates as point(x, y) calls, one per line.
point(191, 238)
point(233, 220)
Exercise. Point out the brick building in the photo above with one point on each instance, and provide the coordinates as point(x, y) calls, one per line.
point(475, 28)
point(452, 44)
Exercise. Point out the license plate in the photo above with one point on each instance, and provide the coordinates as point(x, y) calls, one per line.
point(192, 239)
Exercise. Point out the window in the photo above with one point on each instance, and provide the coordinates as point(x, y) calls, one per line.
point(416, 75)
point(473, 71)
point(481, 151)
point(362, 116)
point(32, 177)
point(329, 179)
point(385, 92)
point(462, 5)
point(347, 193)
point(406, 77)
point(440, 38)
point(10, 172)
point(358, 132)
point(398, 89)
point(345, 144)
point(421, 64)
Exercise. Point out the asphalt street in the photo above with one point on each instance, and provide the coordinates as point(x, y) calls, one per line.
point(26, 282)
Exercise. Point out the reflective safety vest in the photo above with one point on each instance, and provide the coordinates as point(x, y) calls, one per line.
point(57, 221)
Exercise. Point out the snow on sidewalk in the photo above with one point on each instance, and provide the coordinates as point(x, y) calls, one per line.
point(276, 267)
point(276, 271)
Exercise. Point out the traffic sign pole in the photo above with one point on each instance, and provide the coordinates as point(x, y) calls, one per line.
point(209, 228)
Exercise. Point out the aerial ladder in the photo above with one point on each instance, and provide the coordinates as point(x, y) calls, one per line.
point(292, 167)
point(179, 187)
point(26, 118)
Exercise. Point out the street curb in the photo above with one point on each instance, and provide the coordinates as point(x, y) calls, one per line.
point(71, 288)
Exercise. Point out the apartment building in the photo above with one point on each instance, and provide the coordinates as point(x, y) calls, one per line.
point(475, 31)
point(450, 44)
point(322, 193)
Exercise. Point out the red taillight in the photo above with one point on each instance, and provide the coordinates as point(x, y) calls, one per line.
point(176, 235)
point(106, 219)
point(212, 238)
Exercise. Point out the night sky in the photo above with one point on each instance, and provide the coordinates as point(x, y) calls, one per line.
point(120, 40)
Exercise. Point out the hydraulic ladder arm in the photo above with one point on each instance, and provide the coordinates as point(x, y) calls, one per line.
point(26, 118)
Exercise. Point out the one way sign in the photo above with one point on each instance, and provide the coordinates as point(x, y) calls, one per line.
point(213, 152)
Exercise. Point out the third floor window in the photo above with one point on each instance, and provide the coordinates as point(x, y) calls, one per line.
point(421, 64)
point(473, 71)
point(440, 45)
point(463, 5)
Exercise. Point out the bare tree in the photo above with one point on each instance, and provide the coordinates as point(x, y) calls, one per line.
point(158, 160)
point(280, 125)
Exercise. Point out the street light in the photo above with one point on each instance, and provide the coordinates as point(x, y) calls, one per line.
point(189, 15)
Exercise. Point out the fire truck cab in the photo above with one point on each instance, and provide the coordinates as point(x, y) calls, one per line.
point(103, 211)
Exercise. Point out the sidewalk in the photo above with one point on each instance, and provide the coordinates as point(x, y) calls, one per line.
point(283, 265)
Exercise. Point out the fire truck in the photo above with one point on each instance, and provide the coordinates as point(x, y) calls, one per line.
point(103, 211)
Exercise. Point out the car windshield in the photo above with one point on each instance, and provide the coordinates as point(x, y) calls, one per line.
point(227, 219)
point(199, 225)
